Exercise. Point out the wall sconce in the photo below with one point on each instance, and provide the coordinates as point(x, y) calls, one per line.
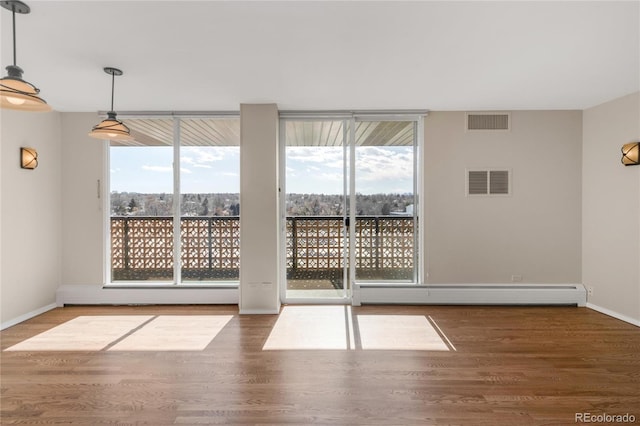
point(631, 154)
point(28, 158)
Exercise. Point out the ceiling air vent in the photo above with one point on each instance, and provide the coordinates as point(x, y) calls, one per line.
point(484, 121)
point(488, 182)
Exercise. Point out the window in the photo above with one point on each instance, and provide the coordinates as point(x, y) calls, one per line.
point(176, 225)
point(210, 200)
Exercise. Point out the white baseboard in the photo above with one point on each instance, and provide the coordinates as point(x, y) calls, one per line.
point(473, 294)
point(27, 316)
point(99, 295)
point(614, 314)
point(467, 294)
point(259, 311)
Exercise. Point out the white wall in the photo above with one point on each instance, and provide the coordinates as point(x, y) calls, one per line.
point(535, 232)
point(83, 228)
point(82, 216)
point(31, 214)
point(611, 208)
point(259, 209)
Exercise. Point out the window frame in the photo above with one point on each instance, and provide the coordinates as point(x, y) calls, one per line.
point(104, 187)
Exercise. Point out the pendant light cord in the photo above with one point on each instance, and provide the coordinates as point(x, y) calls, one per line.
point(113, 81)
point(13, 12)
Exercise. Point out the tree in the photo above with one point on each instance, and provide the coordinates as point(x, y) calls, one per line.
point(205, 207)
point(132, 205)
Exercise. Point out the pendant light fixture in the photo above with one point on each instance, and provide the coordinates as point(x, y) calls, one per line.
point(15, 93)
point(111, 128)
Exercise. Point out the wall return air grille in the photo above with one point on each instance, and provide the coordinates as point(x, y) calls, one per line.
point(488, 182)
point(486, 121)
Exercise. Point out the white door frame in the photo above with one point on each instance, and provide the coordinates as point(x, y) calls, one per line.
point(350, 287)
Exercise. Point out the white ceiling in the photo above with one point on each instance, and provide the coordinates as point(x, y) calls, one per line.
point(214, 55)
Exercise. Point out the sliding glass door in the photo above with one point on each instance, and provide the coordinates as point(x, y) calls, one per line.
point(316, 208)
point(350, 204)
point(384, 240)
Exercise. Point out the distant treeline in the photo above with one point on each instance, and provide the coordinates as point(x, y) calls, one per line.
point(135, 204)
point(329, 205)
point(227, 204)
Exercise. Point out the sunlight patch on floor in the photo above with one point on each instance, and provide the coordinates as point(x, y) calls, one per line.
point(311, 327)
point(175, 333)
point(398, 332)
point(84, 333)
point(337, 328)
point(314, 327)
point(129, 333)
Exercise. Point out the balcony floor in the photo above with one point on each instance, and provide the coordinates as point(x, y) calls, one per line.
point(298, 279)
point(327, 279)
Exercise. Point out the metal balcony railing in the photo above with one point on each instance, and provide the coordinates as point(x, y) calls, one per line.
point(142, 247)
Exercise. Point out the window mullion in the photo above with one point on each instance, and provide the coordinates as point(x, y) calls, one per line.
point(418, 256)
point(177, 267)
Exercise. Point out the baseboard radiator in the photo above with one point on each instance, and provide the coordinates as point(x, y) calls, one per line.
point(159, 295)
point(445, 294)
point(472, 294)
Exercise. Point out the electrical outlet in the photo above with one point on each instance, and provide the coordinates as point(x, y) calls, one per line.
point(590, 291)
point(516, 278)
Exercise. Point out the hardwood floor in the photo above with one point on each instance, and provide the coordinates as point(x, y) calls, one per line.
point(487, 366)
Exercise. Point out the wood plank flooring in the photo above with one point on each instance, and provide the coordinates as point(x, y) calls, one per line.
point(488, 366)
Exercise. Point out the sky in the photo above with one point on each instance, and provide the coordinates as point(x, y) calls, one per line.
point(207, 169)
point(149, 169)
point(379, 169)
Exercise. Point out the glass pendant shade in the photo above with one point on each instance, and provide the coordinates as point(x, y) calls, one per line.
point(111, 129)
point(15, 93)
